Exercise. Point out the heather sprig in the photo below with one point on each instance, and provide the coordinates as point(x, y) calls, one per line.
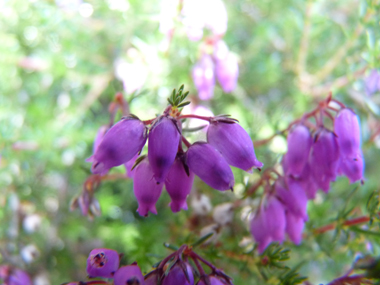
point(171, 159)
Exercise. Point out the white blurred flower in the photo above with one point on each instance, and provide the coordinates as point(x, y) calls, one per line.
point(133, 75)
point(32, 223)
point(29, 253)
point(223, 214)
point(199, 14)
point(201, 205)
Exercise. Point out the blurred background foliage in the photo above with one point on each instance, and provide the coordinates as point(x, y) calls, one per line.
point(59, 65)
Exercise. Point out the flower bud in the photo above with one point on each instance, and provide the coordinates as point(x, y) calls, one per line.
point(299, 144)
point(293, 197)
point(129, 275)
point(125, 139)
point(221, 50)
point(215, 16)
point(206, 162)
point(294, 227)
point(227, 72)
point(146, 190)
point(102, 262)
point(234, 143)
point(347, 129)
point(324, 159)
point(214, 280)
point(269, 224)
point(352, 167)
point(164, 138)
point(204, 78)
point(308, 183)
point(178, 184)
point(181, 273)
point(14, 276)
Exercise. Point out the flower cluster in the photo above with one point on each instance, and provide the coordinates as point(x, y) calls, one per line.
point(174, 269)
point(14, 276)
point(167, 163)
point(316, 156)
point(221, 64)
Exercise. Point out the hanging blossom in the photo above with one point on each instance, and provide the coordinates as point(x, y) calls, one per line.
point(372, 82)
point(200, 14)
point(168, 163)
point(14, 276)
point(221, 65)
point(316, 156)
point(86, 201)
point(172, 270)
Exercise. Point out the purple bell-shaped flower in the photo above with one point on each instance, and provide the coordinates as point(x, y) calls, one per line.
point(204, 78)
point(234, 143)
point(299, 144)
point(347, 129)
point(372, 82)
point(102, 262)
point(206, 162)
point(308, 183)
point(324, 159)
point(125, 139)
point(227, 72)
point(164, 138)
point(129, 275)
point(269, 224)
point(294, 227)
point(180, 273)
point(352, 167)
point(214, 280)
point(146, 190)
point(293, 197)
point(178, 184)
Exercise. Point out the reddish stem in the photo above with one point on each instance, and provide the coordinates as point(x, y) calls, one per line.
point(348, 223)
point(208, 119)
point(186, 142)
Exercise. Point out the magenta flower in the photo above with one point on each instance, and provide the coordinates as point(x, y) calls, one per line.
point(269, 224)
point(180, 273)
point(347, 129)
point(221, 50)
point(372, 82)
point(146, 190)
point(178, 184)
point(293, 197)
point(14, 276)
point(164, 138)
point(129, 164)
point(352, 167)
point(227, 72)
point(294, 227)
point(216, 17)
point(299, 144)
point(204, 78)
point(234, 143)
point(308, 183)
point(99, 137)
point(206, 162)
point(102, 262)
point(324, 159)
point(214, 280)
point(125, 139)
point(129, 275)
